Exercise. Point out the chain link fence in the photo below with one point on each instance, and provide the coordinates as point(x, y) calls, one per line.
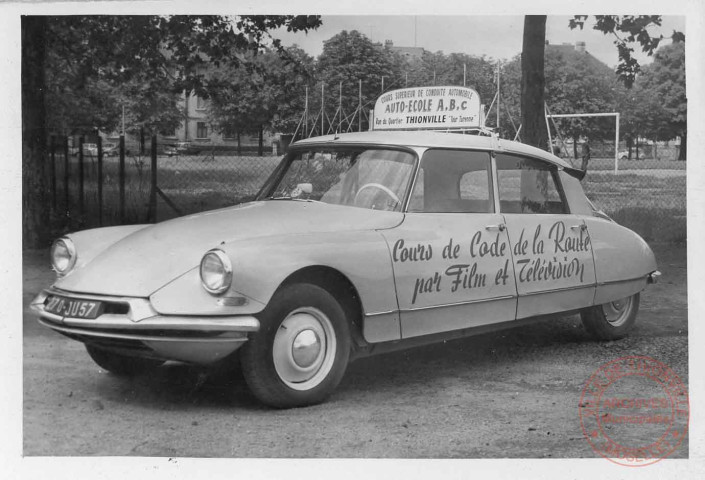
point(191, 183)
point(648, 191)
point(647, 194)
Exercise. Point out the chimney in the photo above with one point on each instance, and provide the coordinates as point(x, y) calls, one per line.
point(580, 47)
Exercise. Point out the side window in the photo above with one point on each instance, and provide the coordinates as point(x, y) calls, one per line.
point(474, 185)
point(528, 186)
point(453, 181)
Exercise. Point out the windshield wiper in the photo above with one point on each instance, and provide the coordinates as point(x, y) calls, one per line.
point(294, 199)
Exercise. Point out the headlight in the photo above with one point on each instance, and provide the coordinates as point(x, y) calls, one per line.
point(216, 272)
point(63, 255)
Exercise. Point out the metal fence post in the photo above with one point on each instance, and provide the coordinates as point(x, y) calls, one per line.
point(100, 181)
point(121, 176)
point(80, 175)
point(66, 175)
point(153, 189)
point(53, 172)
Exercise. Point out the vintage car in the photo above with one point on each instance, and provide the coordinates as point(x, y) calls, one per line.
point(357, 244)
point(181, 148)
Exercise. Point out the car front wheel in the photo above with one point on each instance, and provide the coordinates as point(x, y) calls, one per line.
point(301, 351)
point(612, 320)
point(121, 364)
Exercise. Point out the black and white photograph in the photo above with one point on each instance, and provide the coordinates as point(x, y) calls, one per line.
point(331, 241)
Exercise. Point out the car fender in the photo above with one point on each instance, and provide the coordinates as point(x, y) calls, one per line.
point(90, 243)
point(261, 265)
point(623, 260)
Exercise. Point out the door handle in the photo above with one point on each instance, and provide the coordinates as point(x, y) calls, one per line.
point(501, 227)
point(582, 227)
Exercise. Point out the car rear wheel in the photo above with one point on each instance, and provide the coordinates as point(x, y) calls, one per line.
point(301, 351)
point(612, 320)
point(121, 364)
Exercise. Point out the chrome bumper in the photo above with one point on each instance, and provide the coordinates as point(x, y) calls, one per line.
point(191, 339)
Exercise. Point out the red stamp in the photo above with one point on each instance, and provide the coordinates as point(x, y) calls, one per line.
point(634, 411)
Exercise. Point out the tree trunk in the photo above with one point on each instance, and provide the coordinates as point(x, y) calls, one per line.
point(684, 145)
point(260, 146)
point(35, 208)
point(576, 138)
point(239, 146)
point(533, 82)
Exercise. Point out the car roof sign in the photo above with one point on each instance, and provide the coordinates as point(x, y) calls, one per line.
point(428, 108)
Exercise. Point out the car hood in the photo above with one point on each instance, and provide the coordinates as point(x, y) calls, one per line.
point(148, 259)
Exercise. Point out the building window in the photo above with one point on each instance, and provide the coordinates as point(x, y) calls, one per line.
point(201, 130)
point(201, 103)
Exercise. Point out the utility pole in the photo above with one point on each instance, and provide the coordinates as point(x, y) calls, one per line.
point(465, 71)
point(359, 107)
point(498, 97)
point(323, 101)
point(382, 83)
point(306, 114)
point(340, 106)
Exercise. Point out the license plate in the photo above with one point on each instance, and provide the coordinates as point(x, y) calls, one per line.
point(74, 308)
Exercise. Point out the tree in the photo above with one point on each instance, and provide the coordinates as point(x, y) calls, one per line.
point(440, 69)
point(264, 90)
point(74, 62)
point(347, 59)
point(628, 30)
point(533, 82)
point(665, 81)
point(576, 82)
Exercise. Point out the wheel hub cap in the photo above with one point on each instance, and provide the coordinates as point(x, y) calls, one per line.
point(618, 312)
point(306, 348)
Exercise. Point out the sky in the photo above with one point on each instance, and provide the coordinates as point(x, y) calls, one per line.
point(496, 36)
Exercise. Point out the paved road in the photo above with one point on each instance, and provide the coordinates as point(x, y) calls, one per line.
point(512, 394)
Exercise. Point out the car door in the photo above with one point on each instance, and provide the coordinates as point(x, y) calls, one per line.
point(551, 249)
point(450, 256)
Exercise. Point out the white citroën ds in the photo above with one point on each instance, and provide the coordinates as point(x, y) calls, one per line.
point(357, 244)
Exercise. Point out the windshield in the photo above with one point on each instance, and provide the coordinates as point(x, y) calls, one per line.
point(361, 177)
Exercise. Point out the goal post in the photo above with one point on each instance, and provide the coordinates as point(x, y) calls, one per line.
point(616, 133)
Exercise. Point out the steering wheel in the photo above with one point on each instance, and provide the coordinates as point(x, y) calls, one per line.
point(378, 186)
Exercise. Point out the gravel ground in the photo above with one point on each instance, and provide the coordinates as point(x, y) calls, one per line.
point(513, 394)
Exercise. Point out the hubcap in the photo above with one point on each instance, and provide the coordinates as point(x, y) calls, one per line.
point(617, 312)
point(304, 348)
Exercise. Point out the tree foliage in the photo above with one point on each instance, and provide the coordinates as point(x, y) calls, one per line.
point(347, 59)
point(96, 65)
point(262, 90)
point(78, 71)
point(576, 82)
point(656, 106)
point(628, 30)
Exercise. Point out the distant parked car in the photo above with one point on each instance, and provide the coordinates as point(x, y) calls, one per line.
point(181, 148)
point(110, 150)
point(625, 155)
